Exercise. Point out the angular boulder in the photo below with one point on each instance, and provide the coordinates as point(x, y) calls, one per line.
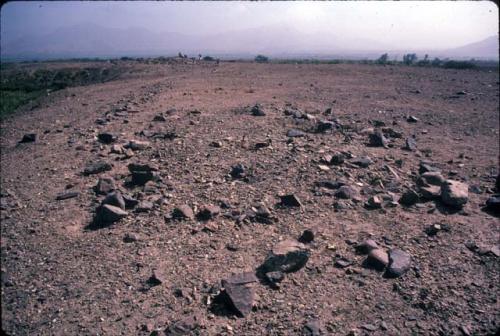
point(399, 263)
point(454, 193)
point(286, 256)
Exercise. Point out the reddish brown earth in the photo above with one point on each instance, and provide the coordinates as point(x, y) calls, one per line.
point(61, 278)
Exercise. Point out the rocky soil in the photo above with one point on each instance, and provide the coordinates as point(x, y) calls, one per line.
point(255, 199)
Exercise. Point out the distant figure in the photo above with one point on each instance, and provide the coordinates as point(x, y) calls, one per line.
point(217, 61)
point(193, 59)
point(199, 57)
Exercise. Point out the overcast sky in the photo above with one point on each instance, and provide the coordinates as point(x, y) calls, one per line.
point(407, 24)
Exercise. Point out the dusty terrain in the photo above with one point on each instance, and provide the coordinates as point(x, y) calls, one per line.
point(149, 273)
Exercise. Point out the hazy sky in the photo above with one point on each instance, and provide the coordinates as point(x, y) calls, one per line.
point(407, 24)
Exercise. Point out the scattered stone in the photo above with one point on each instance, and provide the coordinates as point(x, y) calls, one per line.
point(106, 138)
point(330, 184)
point(216, 144)
point(104, 186)
point(312, 328)
point(130, 238)
point(430, 192)
point(493, 204)
point(109, 214)
point(258, 111)
point(286, 256)
point(208, 212)
point(363, 162)
point(337, 159)
point(409, 198)
point(369, 327)
point(138, 145)
point(431, 178)
point(114, 198)
point(307, 236)
point(410, 144)
point(367, 246)
point(342, 262)
point(454, 193)
point(144, 206)
point(117, 149)
point(274, 278)
point(374, 202)
point(294, 133)
point(183, 212)
point(412, 119)
point(130, 202)
point(96, 168)
point(67, 195)
point(399, 263)
point(290, 201)
point(377, 259)
point(159, 118)
point(239, 292)
point(323, 168)
point(324, 125)
point(141, 173)
point(158, 276)
point(433, 229)
point(377, 139)
point(29, 137)
point(239, 171)
point(425, 166)
point(347, 192)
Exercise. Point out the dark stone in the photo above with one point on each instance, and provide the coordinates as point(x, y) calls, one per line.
point(377, 259)
point(29, 137)
point(239, 292)
point(324, 125)
point(342, 263)
point(97, 167)
point(347, 192)
point(312, 328)
point(493, 204)
point(306, 237)
point(66, 195)
point(183, 212)
point(410, 144)
point(274, 278)
point(409, 198)
point(412, 119)
point(106, 138)
point(290, 201)
point(130, 202)
point(425, 166)
point(399, 263)
point(366, 246)
point(258, 111)
point(238, 171)
point(159, 118)
point(330, 184)
point(293, 133)
point(286, 256)
point(362, 162)
point(109, 214)
point(144, 206)
point(142, 177)
point(141, 167)
point(208, 212)
point(377, 139)
point(104, 186)
point(114, 198)
point(337, 159)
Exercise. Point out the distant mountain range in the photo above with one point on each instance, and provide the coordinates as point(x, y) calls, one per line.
point(278, 41)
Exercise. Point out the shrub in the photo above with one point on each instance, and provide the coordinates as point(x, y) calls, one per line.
point(458, 65)
point(409, 59)
point(261, 59)
point(383, 59)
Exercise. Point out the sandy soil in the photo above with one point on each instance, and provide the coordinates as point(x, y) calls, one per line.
point(61, 276)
